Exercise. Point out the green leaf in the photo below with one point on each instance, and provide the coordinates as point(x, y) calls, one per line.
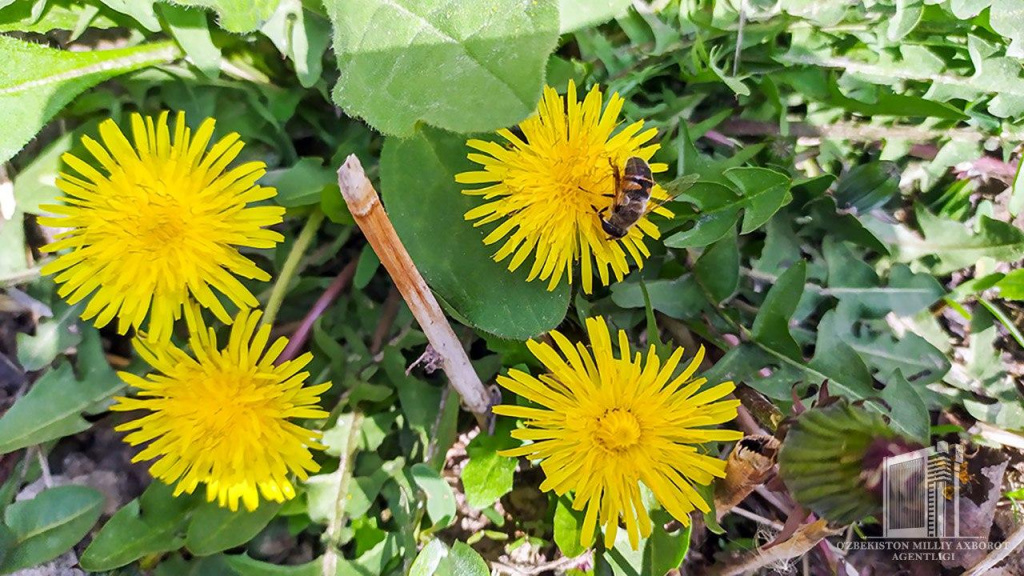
point(1007, 18)
point(407, 61)
point(464, 561)
point(665, 551)
point(238, 16)
point(842, 225)
point(439, 495)
point(718, 268)
point(679, 298)
point(366, 267)
point(908, 414)
point(140, 10)
point(771, 326)
point(835, 361)
point(301, 184)
point(418, 183)
point(42, 17)
point(35, 184)
point(764, 191)
point(568, 527)
point(191, 30)
point(623, 559)
point(954, 246)
point(214, 529)
point(488, 476)
point(245, 566)
point(151, 524)
point(852, 280)
point(908, 14)
point(53, 336)
point(429, 560)
point(36, 82)
point(53, 407)
point(578, 14)
point(757, 193)
point(302, 36)
point(375, 560)
point(49, 524)
point(911, 354)
point(868, 186)
point(1011, 287)
point(1016, 204)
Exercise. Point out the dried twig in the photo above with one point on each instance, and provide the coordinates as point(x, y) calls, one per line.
point(802, 541)
point(365, 206)
point(999, 554)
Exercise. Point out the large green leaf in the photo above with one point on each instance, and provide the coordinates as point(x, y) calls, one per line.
point(36, 82)
point(151, 524)
point(49, 524)
point(579, 14)
point(53, 407)
point(461, 66)
point(852, 280)
point(426, 207)
point(214, 529)
point(954, 246)
point(237, 16)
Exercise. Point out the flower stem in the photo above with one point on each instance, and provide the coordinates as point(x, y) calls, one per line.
point(291, 265)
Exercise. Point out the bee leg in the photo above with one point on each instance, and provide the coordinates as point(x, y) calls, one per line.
point(615, 170)
point(600, 212)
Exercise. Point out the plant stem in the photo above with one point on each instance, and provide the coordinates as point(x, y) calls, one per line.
point(291, 266)
point(343, 476)
point(301, 335)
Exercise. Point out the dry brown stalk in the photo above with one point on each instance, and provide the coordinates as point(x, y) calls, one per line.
point(805, 538)
point(365, 206)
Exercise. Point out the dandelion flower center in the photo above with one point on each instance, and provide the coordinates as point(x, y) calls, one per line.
point(617, 430)
point(608, 424)
point(159, 225)
point(546, 189)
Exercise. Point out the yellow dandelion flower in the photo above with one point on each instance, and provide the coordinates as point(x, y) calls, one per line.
point(608, 424)
point(546, 189)
point(221, 416)
point(162, 221)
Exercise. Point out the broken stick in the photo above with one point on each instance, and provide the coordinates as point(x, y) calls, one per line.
point(365, 206)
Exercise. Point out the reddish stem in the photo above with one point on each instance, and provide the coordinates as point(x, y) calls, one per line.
point(301, 334)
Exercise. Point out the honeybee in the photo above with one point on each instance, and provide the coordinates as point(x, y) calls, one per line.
point(632, 193)
point(632, 198)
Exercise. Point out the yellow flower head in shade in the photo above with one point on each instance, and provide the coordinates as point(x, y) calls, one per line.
point(546, 190)
point(608, 424)
point(221, 416)
point(163, 220)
